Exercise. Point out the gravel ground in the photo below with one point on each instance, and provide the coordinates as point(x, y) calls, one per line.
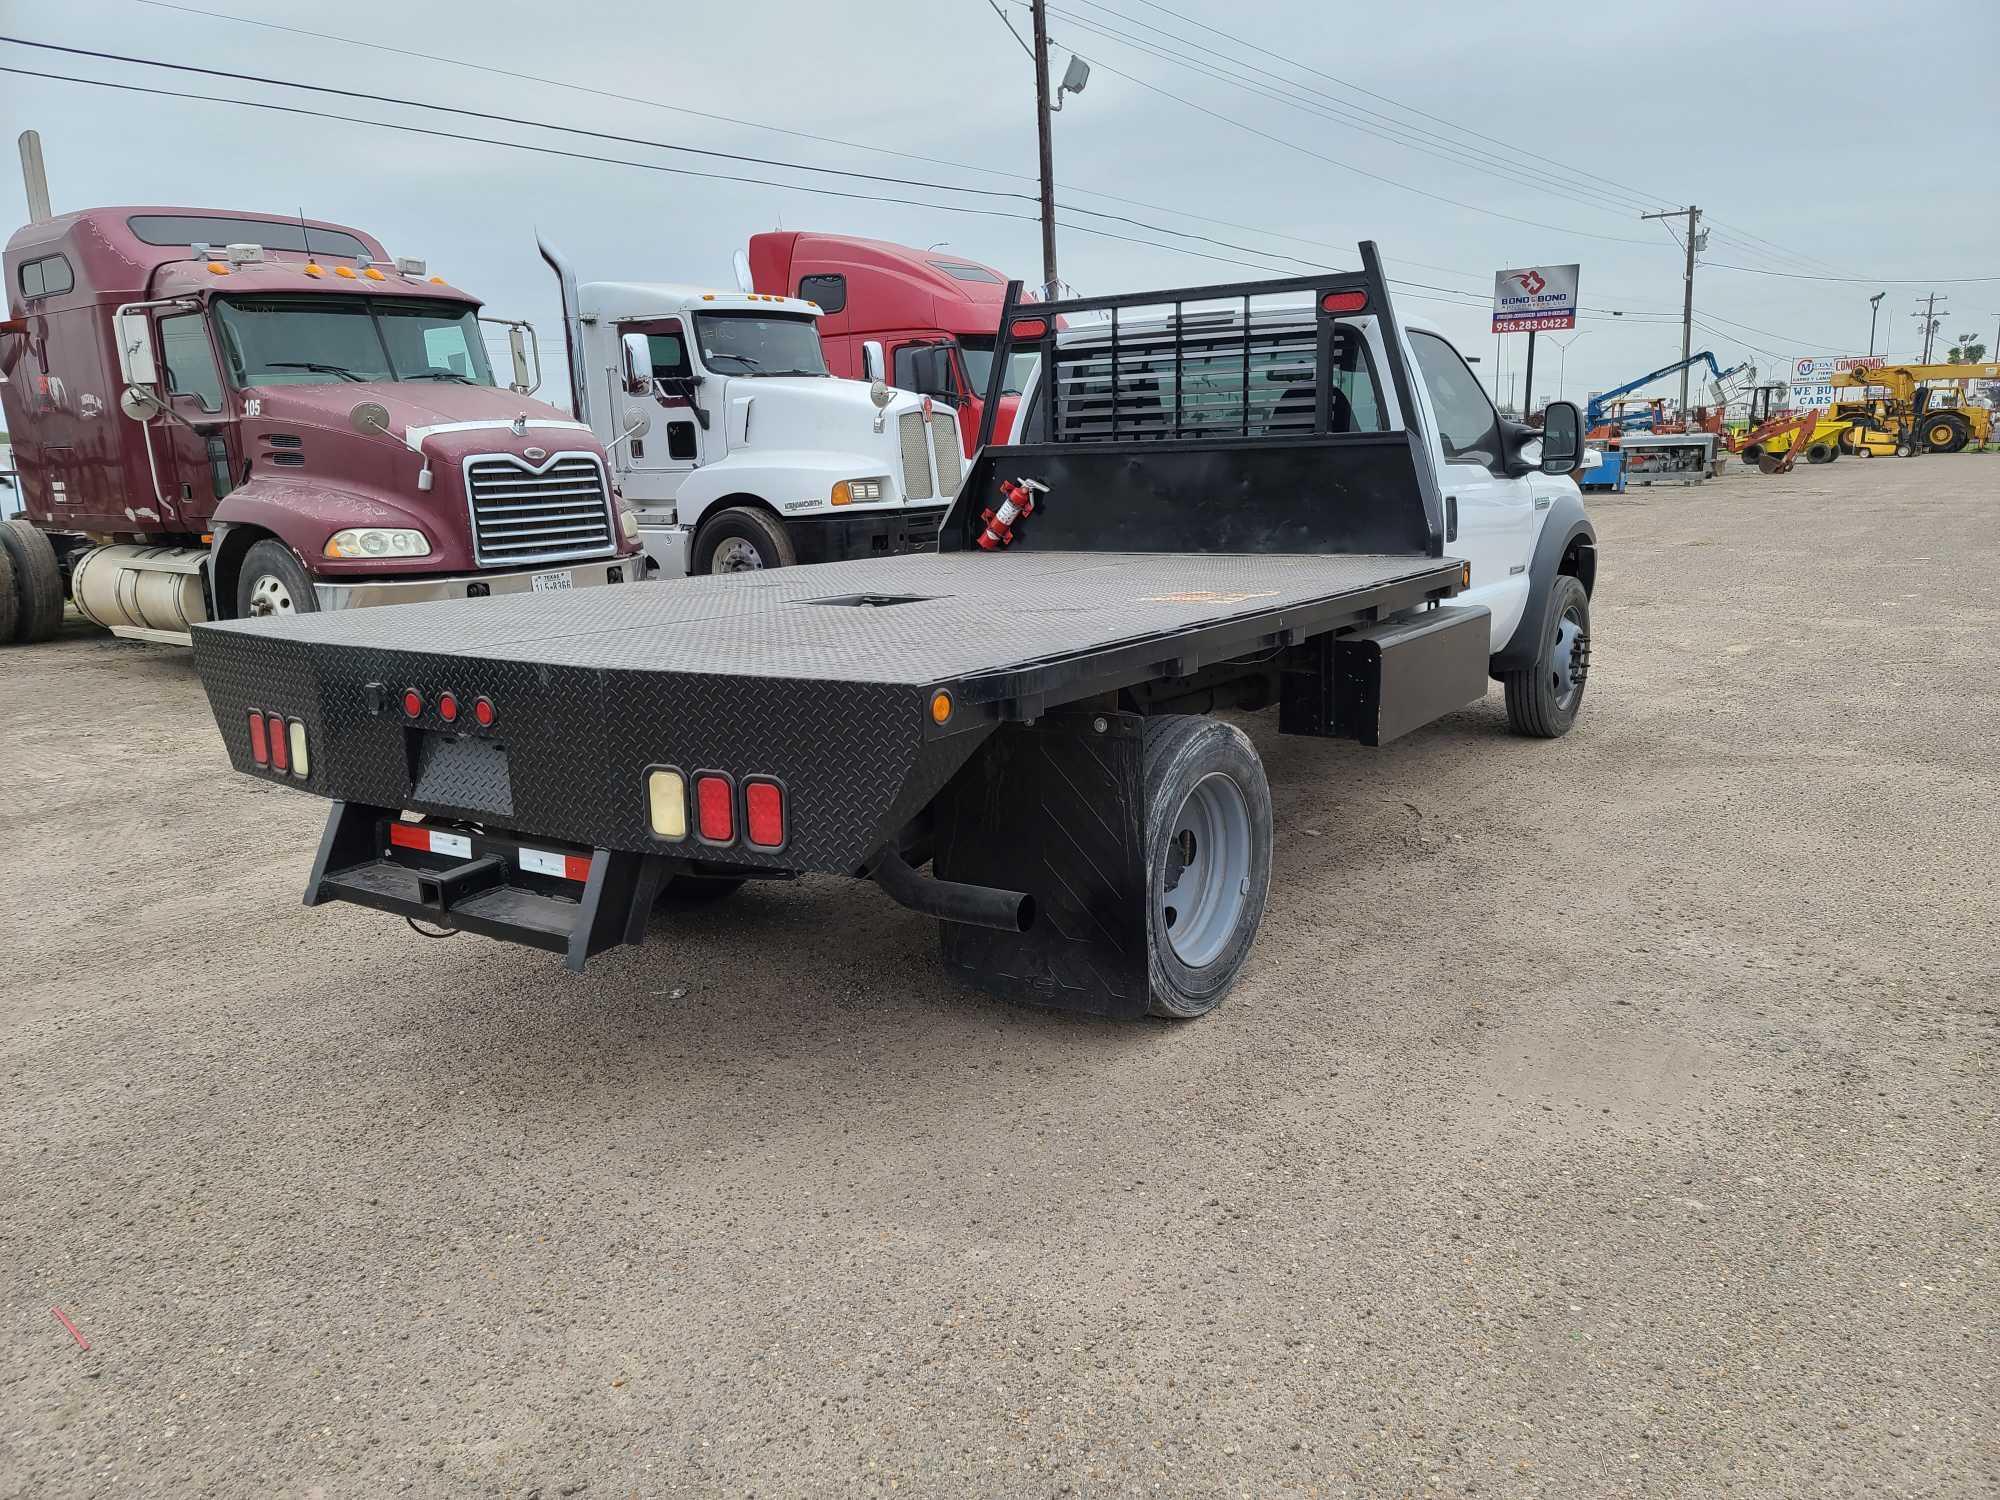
point(1601, 1118)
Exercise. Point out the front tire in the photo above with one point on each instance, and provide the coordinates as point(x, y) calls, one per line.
point(1544, 700)
point(1822, 453)
point(1208, 860)
point(741, 540)
point(37, 583)
point(271, 582)
point(10, 598)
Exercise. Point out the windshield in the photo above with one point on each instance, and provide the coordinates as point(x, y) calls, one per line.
point(324, 340)
point(758, 344)
point(979, 366)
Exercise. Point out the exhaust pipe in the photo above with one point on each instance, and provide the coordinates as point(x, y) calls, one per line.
point(34, 179)
point(951, 900)
point(579, 387)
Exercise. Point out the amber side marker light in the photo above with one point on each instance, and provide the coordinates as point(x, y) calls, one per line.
point(941, 706)
point(1465, 575)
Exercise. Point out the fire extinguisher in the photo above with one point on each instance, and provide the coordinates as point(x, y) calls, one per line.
point(1017, 502)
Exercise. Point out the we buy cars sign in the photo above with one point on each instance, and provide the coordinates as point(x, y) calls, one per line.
point(1535, 299)
point(1812, 379)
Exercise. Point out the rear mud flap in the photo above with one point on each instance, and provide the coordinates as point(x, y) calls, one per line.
point(1054, 809)
point(478, 882)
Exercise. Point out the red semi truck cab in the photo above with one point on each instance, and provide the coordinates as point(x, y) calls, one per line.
point(222, 414)
point(930, 318)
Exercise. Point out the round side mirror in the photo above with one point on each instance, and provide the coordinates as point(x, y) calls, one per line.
point(879, 393)
point(140, 404)
point(369, 416)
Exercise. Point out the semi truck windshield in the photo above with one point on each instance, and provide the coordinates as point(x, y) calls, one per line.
point(979, 366)
point(321, 340)
point(754, 344)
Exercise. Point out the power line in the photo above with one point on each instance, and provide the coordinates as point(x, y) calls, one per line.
point(1325, 106)
point(1350, 167)
point(1865, 280)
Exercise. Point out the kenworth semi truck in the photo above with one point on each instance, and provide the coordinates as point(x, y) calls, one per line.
point(1231, 497)
point(737, 447)
point(218, 415)
point(923, 320)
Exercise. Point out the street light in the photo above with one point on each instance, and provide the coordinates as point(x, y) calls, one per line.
point(1874, 302)
point(1562, 359)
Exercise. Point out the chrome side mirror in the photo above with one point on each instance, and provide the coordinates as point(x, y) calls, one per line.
point(638, 360)
point(874, 365)
point(138, 363)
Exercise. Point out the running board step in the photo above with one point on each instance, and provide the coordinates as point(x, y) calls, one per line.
point(572, 902)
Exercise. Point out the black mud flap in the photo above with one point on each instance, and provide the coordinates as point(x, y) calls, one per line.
point(1054, 809)
point(543, 894)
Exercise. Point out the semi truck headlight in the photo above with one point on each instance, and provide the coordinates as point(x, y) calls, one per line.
point(375, 541)
point(859, 491)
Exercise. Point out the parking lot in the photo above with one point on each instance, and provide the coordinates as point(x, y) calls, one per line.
point(1604, 1117)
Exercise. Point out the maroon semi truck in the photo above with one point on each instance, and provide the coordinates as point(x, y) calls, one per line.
point(217, 415)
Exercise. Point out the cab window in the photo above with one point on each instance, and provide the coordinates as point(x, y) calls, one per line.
point(1468, 426)
point(190, 360)
point(668, 348)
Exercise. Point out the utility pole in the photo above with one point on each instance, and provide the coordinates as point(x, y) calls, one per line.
point(1693, 216)
point(1044, 127)
point(1874, 303)
point(1930, 322)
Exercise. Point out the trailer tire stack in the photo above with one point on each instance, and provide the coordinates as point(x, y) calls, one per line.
point(33, 610)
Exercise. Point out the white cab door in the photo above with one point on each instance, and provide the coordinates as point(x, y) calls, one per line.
point(654, 463)
point(1495, 513)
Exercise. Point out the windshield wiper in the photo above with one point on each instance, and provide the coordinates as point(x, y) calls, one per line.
point(318, 369)
point(441, 375)
point(742, 359)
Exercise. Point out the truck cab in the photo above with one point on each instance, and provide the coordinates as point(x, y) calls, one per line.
point(922, 320)
point(220, 414)
point(736, 445)
point(1515, 526)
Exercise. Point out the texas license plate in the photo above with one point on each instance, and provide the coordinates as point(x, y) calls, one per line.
point(554, 583)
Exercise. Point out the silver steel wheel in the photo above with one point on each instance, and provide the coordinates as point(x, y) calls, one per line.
point(269, 596)
point(736, 554)
point(1207, 874)
point(1565, 658)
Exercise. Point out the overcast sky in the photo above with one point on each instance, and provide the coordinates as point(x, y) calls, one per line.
point(1736, 107)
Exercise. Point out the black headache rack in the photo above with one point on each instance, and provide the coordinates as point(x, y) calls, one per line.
point(1244, 417)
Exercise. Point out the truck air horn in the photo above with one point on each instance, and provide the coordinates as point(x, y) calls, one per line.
point(1017, 502)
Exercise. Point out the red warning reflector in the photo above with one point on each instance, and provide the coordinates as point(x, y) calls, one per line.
point(482, 710)
point(448, 707)
point(413, 702)
point(1029, 328)
point(764, 814)
point(260, 744)
point(281, 748)
point(1339, 302)
point(563, 866)
point(715, 813)
point(430, 840)
point(410, 836)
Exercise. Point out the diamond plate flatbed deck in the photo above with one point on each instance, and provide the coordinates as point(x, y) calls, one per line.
point(968, 615)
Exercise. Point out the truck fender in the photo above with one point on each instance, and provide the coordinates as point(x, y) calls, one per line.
point(1568, 544)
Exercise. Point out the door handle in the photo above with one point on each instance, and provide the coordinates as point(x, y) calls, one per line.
point(1451, 518)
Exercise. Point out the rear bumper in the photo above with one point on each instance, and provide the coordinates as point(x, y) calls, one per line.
point(369, 593)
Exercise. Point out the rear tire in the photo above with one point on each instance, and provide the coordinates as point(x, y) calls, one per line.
point(10, 598)
point(1946, 434)
point(38, 584)
point(1544, 700)
point(1208, 860)
point(1822, 453)
point(741, 540)
point(1751, 454)
point(271, 582)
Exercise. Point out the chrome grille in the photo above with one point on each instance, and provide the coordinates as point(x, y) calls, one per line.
point(944, 443)
point(916, 457)
point(524, 515)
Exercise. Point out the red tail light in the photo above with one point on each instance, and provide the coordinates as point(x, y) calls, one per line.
point(1029, 328)
point(482, 710)
point(1344, 302)
point(413, 702)
point(715, 811)
point(260, 744)
point(447, 707)
point(764, 814)
point(281, 747)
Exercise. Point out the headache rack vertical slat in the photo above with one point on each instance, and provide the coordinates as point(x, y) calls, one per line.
point(1114, 374)
point(1180, 347)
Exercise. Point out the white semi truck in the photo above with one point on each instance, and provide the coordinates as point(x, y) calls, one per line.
point(732, 441)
